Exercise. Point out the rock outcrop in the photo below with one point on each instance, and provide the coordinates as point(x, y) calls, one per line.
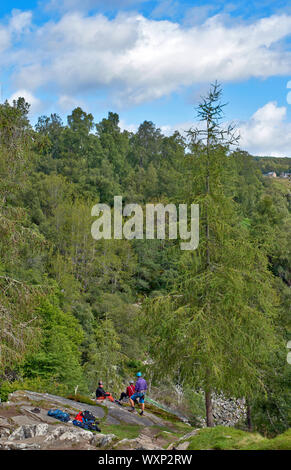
point(226, 411)
point(25, 425)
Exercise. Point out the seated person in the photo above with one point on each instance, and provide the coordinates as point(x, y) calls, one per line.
point(101, 394)
point(129, 391)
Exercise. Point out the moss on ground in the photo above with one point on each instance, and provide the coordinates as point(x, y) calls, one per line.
point(124, 431)
point(225, 438)
point(281, 442)
point(82, 399)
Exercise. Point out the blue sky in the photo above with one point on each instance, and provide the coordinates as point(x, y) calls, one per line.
point(152, 60)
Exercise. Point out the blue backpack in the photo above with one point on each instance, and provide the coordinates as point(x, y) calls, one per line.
point(59, 414)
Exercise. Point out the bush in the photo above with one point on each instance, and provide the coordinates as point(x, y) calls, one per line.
point(36, 384)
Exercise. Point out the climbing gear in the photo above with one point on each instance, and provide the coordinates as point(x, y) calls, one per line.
point(89, 426)
point(89, 416)
point(86, 420)
point(59, 414)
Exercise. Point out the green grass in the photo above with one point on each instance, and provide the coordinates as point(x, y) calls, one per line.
point(82, 399)
point(225, 438)
point(122, 431)
point(281, 442)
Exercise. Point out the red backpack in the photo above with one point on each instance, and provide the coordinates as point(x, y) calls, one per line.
point(79, 417)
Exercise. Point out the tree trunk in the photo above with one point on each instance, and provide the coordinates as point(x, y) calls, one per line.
point(208, 405)
point(249, 417)
point(208, 398)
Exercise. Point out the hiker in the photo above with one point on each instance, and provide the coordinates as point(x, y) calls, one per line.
point(129, 391)
point(140, 390)
point(101, 394)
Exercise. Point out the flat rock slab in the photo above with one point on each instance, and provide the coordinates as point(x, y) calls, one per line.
point(95, 410)
point(41, 417)
point(125, 416)
point(4, 422)
point(142, 443)
point(111, 420)
point(21, 420)
point(113, 413)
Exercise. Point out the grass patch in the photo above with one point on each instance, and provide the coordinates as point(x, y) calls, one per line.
point(281, 442)
point(167, 435)
point(81, 399)
point(224, 438)
point(122, 431)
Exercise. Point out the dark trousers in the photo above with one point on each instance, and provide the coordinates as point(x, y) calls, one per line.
point(123, 395)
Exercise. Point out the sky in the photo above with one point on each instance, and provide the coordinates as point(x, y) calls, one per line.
point(153, 60)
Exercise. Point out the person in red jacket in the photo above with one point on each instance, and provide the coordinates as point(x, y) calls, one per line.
point(129, 391)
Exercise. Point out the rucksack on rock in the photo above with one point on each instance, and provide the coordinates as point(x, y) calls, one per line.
point(89, 425)
point(86, 420)
point(89, 416)
point(59, 414)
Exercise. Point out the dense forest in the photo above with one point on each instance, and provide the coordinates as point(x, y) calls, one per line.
point(74, 310)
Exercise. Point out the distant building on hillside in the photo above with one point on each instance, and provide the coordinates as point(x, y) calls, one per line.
point(285, 175)
point(271, 174)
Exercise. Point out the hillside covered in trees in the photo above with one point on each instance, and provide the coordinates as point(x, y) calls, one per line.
point(74, 310)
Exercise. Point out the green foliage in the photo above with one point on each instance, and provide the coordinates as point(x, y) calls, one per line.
point(34, 384)
point(107, 360)
point(81, 399)
point(71, 309)
point(58, 355)
point(126, 431)
point(217, 328)
point(224, 438)
point(194, 404)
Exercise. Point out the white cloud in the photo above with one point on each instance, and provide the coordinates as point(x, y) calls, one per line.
point(20, 21)
point(4, 39)
point(35, 103)
point(267, 132)
point(18, 24)
point(67, 103)
point(138, 59)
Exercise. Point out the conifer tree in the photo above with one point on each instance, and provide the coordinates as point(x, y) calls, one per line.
point(216, 328)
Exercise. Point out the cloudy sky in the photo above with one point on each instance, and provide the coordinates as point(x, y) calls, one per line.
point(153, 60)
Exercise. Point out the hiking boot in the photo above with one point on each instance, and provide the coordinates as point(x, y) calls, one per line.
point(132, 410)
point(141, 413)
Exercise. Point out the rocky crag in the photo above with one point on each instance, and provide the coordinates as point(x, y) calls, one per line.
point(25, 425)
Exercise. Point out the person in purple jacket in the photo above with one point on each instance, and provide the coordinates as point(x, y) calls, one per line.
point(140, 391)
